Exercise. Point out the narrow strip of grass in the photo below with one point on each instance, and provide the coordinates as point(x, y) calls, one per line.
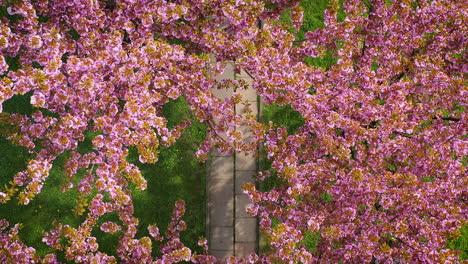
point(177, 175)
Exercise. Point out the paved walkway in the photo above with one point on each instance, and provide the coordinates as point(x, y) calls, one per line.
point(230, 230)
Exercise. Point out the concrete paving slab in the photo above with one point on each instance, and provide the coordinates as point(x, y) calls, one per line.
point(247, 135)
point(242, 177)
point(242, 201)
point(222, 134)
point(249, 94)
point(221, 238)
point(221, 168)
point(221, 191)
point(222, 93)
point(227, 74)
point(221, 214)
point(246, 161)
point(243, 249)
point(222, 255)
point(241, 108)
point(216, 153)
point(243, 74)
point(246, 229)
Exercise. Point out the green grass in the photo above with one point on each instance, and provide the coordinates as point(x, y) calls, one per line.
point(313, 19)
point(461, 243)
point(48, 205)
point(177, 175)
point(283, 116)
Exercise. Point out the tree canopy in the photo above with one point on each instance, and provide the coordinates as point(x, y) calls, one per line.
point(377, 170)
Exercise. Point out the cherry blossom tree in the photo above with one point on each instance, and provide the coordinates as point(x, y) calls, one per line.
point(377, 170)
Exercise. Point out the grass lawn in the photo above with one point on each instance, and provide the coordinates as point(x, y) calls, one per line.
point(292, 120)
point(177, 175)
